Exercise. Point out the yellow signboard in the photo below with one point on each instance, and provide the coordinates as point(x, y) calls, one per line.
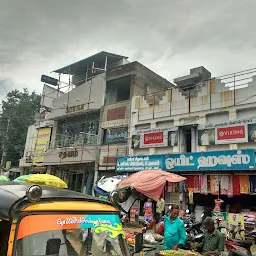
point(42, 144)
point(235, 226)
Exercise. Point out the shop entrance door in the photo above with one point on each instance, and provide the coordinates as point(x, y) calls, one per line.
point(75, 180)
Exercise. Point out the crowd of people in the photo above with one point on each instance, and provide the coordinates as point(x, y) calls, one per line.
point(173, 230)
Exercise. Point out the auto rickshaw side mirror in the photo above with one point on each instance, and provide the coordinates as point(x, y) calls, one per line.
point(53, 246)
point(138, 243)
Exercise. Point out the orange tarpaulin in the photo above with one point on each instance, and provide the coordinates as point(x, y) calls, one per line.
point(150, 182)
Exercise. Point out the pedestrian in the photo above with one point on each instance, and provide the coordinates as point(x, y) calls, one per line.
point(213, 243)
point(160, 206)
point(148, 212)
point(174, 230)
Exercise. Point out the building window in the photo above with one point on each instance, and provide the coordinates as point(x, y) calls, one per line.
point(118, 90)
point(79, 131)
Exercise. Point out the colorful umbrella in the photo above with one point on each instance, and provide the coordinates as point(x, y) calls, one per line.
point(47, 180)
point(149, 182)
point(4, 178)
point(22, 178)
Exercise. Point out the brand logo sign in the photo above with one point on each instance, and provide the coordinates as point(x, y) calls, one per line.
point(216, 160)
point(231, 134)
point(154, 138)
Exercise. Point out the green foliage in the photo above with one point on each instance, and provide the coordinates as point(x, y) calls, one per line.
point(19, 108)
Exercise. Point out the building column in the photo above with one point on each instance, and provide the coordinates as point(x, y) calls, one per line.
point(193, 139)
point(202, 121)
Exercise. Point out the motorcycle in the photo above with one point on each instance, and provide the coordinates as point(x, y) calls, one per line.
point(240, 247)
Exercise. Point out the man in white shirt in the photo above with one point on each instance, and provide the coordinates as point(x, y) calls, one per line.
point(205, 139)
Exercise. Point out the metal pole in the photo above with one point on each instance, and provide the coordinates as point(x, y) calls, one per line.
point(234, 89)
point(58, 86)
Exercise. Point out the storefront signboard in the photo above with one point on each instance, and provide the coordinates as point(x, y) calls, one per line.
point(42, 144)
point(211, 160)
point(139, 163)
point(239, 131)
point(116, 135)
point(243, 159)
point(155, 138)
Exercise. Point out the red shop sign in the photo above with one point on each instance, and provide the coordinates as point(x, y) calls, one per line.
point(231, 133)
point(154, 138)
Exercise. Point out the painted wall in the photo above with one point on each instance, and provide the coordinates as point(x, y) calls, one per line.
point(91, 94)
point(215, 103)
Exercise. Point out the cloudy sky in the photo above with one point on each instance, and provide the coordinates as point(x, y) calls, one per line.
point(168, 36)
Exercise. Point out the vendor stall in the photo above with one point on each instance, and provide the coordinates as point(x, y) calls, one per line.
point(236, 194)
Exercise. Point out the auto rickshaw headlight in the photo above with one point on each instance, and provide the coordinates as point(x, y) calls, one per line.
point(34, 193)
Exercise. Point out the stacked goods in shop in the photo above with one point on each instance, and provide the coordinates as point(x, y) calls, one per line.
point(130, 238)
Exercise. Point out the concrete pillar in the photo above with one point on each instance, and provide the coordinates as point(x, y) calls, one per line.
point(202, 121)
point(193, 139)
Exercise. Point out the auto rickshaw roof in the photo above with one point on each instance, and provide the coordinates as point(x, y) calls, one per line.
point(10, 192)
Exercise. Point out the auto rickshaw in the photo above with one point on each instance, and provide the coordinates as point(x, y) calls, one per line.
point(39, 220)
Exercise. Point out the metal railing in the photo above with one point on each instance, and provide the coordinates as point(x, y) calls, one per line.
point(80, 141)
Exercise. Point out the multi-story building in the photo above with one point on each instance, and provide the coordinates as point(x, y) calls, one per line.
point(203, 126)
point(91, 120)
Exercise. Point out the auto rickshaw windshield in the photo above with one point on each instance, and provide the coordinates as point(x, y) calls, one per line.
point(71, 235)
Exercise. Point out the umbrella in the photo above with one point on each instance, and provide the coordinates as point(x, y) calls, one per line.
point(150, 182)
point(47, 180)
point(22, 178)
point(4, 178)
point(109, 184)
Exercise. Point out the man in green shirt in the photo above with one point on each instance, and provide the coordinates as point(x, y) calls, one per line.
point(213, 243)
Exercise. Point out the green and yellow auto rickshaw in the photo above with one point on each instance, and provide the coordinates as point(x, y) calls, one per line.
point(38, 220)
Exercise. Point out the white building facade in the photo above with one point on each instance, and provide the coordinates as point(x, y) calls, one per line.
point(203, 127)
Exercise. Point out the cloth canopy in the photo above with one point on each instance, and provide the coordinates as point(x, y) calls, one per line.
point(149, 182)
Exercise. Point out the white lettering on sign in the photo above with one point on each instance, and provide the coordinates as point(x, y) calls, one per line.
point(180, 161)
point(228, 160)
point(139, 163)
point(81, 220)
point(208, 161)
point(229, 133)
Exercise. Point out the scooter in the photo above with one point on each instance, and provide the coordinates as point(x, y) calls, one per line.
point(240, 247)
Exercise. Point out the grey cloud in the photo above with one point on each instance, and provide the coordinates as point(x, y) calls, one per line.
point(168, 36)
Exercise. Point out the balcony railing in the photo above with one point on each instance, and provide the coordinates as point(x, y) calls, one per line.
point(84, 140)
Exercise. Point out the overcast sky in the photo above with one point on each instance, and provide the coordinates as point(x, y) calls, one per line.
point(167, 36)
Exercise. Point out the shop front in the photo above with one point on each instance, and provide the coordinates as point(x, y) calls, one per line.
point(76, 166)
point(228, 175)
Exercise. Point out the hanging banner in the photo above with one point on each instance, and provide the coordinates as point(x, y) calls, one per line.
point(42, 144)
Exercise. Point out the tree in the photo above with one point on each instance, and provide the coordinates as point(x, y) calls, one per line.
point(18, 113)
